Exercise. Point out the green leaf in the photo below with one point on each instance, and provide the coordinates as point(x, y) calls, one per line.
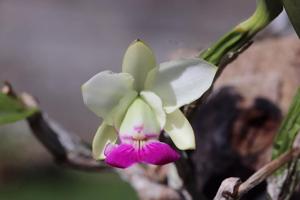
point(289, 129)
point(292, 8)
point(12, 110)
point(285, 180)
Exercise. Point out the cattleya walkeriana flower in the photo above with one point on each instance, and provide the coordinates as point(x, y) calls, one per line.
point(137, 104)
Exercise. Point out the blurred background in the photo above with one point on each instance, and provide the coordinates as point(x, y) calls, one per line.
point(49, 48)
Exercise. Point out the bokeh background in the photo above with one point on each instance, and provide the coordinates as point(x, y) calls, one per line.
point(49, 48)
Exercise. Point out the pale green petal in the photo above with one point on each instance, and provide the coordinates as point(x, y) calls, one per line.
point(105, 134)
point(104, 91)
point(180, 130)
point(115, 117)
point(139, 119)
point(180, 82)
point(138, 61)
point(156, 104)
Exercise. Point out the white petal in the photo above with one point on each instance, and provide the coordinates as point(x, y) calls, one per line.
point(138, 61)
point(156, 104)
point(104, 91)
point(180, 130)
point(116, 116)
point(105, 134)
point(180, 82)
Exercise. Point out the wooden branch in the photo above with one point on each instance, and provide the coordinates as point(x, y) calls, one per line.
point(71, 151)
point(66, 148)
point(233, 189)
point(282, 185)
point(267, 170)
point(228, 188)
point(146, 188)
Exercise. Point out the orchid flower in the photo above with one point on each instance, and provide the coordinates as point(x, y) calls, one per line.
point(140, 102)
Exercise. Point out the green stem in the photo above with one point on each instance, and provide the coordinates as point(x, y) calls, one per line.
point(287, 178)
point(265, 12)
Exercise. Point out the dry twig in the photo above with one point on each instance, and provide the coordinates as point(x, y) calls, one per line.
point(233, 189)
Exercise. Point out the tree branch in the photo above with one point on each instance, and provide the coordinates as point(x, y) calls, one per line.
point(66, 148)
point(71, 151)
point(233, 189)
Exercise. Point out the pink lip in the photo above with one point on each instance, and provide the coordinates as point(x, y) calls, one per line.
point(153, 152)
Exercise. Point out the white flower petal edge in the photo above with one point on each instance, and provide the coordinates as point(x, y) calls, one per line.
point(104, 91)
point(138, 61)
point(180, 130)
point(181, 81)
point(105, 134)
point(116, 116)
point(156, 104)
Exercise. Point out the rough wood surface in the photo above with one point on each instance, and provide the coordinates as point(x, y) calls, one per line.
point(265, 78)
point(269, 69)
point(227, 141)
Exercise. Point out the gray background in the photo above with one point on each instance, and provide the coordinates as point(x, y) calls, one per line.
point(50, 47)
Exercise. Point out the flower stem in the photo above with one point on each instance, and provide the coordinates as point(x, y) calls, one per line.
point(266, 11)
